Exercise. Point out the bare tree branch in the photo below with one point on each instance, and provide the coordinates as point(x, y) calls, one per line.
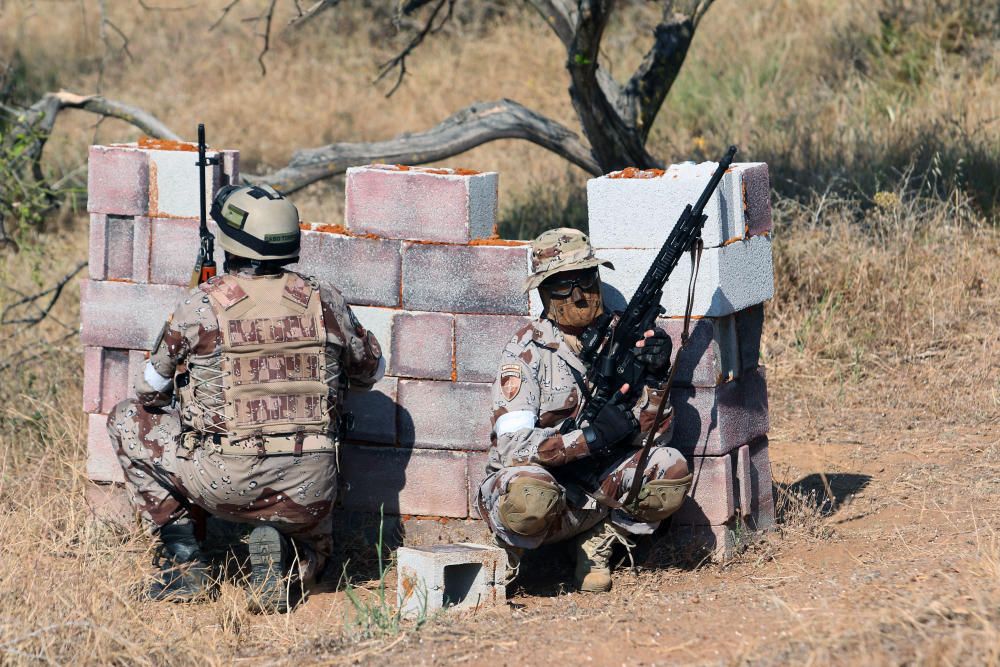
point(398, 62)
point(311, 13)
point(222, 17)
point(560, 17)
point(33, 301)
point(648, 87)
point(473, 126)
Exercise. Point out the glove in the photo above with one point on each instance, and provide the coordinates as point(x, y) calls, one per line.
point(655, 354)
point(613, 424)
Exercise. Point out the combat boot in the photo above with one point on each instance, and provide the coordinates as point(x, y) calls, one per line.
point(184, 574)
point(273, 588)
point(593, 556)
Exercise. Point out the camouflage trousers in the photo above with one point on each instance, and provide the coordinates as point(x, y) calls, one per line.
point(580, 513)
point(165, 480)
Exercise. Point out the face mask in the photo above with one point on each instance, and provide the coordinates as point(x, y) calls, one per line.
point(574, 315)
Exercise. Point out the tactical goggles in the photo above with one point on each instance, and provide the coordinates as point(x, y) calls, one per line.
point(559, 286)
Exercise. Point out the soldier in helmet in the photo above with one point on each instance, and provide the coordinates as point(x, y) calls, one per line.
point(535, 492)
point(255, 361)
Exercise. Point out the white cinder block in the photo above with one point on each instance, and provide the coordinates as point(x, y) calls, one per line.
point(379, 322)
point(731, 278)
point(462, 576)
point(173, 183)
point(641, 212)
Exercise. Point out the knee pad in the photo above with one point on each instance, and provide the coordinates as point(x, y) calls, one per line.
point(530, 505)
point(660, 498)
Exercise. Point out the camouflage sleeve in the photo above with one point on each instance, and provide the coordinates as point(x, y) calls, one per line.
point(360, 353)
point(191, 328)
point(645, 411)
point(517, 436)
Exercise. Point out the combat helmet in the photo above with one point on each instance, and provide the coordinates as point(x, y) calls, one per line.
point(256, 222)
point(561, 249)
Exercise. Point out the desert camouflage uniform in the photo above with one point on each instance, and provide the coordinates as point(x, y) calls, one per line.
point(535, 391)
point(173, 459)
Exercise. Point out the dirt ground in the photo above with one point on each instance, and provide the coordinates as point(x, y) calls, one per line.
point(900, 567)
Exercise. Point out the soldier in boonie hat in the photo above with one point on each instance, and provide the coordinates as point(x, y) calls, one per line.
point(526, 499)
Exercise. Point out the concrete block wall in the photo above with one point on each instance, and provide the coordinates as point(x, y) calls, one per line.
point(418, 260)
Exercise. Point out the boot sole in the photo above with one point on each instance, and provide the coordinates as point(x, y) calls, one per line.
point(268, 584)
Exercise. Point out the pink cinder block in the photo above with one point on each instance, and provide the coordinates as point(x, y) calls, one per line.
point(97, 264)
point(762, 485)
point(757, 199)
point(711, 500)
point(718, 542)
point(715, 420)
point(117, 180)
point(477, 475)
point(175, 246)
point(114, 387)
point(465, 279)
point(719, 349)
point(137, 360)
point(366, 271)
point(421, 204)
point(124, 315)
point(405, 481)
point(374, 412)
point(443, 415)
point(479, 339)
point(102, 463)
point(142, 242)
point(423, 345)
point(174, 188)
point(93, 376)
point(108, 503)
point(119, 247)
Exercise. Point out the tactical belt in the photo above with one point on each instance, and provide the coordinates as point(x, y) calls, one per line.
point(295, 444)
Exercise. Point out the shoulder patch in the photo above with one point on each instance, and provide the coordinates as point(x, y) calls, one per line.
point(297, 290)
point(227, 293)
point(510, 380)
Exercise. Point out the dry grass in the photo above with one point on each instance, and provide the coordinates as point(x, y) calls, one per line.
point(880, 134)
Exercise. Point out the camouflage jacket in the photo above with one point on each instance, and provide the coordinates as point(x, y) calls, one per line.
point(191, 337)
point(535, 391)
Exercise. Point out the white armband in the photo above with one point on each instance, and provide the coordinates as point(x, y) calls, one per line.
point(511, 422)
point(154, 379)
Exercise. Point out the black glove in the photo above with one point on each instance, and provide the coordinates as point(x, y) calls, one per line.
point(614, 424)
point(655, 354)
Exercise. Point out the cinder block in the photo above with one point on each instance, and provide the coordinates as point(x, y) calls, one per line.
point(379, 322)
point(757, 199)
point(481, 279)
point(374, 412)
point(479, 339)
point(142, 245)
point(423, 531)
point(111, 247)
point(93, 377)
point(366, 271)
point(174, 189)
point(137, 360)
point(405, 481)
point(97, 260)
point(460, 576)
point(115, 383)
point(109, 504)
point(762, 487)
point(731, 278)
point(421, 204)
point(117, 180)
point(444, 415)
point(709, 421)
point(719, 349)
point(102, 463)
point(641, 212)
point(423, 346)
point(124, 315)
point(477, 475)
point(175, 245)
point(712, 498)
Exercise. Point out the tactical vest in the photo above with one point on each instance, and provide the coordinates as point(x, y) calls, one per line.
point(273, 365)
